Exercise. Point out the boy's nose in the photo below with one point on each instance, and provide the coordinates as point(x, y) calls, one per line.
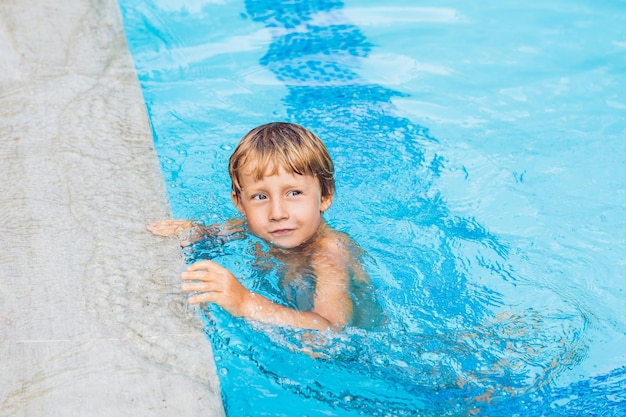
point(278, 210)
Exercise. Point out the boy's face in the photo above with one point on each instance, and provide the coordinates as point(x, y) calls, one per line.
point(284, 209)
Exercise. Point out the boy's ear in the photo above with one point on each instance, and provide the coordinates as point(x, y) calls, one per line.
point(326, 202)
point(237, 201)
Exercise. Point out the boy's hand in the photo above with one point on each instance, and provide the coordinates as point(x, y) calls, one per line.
point(215, 284)
point(170, 227)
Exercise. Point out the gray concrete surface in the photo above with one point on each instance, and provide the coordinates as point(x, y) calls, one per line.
point(91, 319)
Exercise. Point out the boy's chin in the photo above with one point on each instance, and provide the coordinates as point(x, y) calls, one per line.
point(290, 246)
point(283, 246)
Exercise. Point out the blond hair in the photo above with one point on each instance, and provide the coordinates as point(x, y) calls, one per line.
point(282, 145)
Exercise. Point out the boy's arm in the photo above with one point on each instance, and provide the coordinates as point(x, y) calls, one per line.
point(332, 276)
point(191, 232)
point(213, 283)
point(170, 227)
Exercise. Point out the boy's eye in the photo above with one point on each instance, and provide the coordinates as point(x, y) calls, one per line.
point(259, 197)
point(294, 193)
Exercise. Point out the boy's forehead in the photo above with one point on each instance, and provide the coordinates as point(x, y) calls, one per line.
point(257, 170)
point(251, 175)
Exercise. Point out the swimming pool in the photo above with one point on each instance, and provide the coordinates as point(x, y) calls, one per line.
point(479, 152)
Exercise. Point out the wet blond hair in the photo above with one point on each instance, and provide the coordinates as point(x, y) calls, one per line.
point(282, 145)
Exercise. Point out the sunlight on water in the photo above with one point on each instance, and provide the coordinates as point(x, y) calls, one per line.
point(478, 153)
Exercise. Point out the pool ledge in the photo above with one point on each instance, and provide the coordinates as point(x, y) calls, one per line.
point(92, 320)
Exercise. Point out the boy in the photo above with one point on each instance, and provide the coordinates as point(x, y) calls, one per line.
point(282, 183)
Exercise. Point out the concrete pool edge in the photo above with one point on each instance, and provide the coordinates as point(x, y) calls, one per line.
point(92, 319)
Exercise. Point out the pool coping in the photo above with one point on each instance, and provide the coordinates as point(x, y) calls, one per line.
point(93, 322)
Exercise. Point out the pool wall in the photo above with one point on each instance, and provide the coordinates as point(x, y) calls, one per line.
point(92, 319)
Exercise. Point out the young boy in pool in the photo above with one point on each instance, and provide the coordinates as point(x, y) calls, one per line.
point(282, 183)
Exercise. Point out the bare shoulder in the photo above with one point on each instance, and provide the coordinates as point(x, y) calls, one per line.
point(336, 249)
point(334, 241)
point(232, 227)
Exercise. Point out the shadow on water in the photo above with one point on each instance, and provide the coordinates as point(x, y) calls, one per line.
point(462, 336)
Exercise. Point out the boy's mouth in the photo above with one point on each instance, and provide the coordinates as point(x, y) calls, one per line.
point(281, 232)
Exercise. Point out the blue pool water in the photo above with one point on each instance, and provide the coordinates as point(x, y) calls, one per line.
point(480, 160)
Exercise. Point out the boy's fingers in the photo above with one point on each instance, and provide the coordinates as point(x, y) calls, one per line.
point(167, 227)
point(203, 265)
point(205, 297)
point(154, 228)
point(201, 275)
point(197, 287)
